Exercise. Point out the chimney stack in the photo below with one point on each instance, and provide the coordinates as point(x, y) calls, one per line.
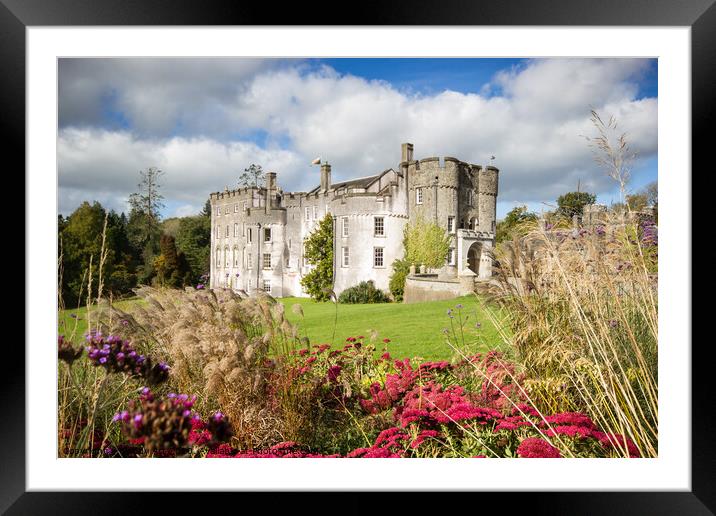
point(270, 189)
point(406, 152)
point(325, 176)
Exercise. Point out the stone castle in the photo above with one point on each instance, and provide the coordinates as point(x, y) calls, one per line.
point(257, 233)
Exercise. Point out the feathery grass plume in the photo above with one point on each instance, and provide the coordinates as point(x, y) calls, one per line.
point(583, 323)
point(221, 346)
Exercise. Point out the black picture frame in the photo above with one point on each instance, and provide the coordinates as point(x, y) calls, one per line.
point(700, 15)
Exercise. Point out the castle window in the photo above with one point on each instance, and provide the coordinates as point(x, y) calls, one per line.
point(451, 256)
point(345, 227)
point(246, 205)
point(249, 261)
point(236, 208)
point(226, 257)
point(451, 224)
point(308, 214)
point(227, 231)
point(378, 257)
point(267, 260)
point(218, 231)
point(378, 226)
point(346, 257)
point(249, 235)
point(267, 234)
point(236, 256)
point(226, 211)
point(418, 196)
point(218, 257)
point(218, 211)
point(315, 212)
point(236, 229)
point(267, 286)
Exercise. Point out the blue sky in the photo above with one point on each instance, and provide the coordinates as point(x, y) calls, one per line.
point(202, 121)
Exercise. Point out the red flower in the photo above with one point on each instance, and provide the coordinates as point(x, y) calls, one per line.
point(536, 448)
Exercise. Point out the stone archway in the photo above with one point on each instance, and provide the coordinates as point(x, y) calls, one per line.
point(474, 253)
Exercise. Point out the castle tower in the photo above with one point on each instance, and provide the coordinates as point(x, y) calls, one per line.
point(487, 198)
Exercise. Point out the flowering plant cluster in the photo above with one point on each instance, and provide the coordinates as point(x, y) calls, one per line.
point(66, 351)
point(169, 423)
point(118, 356)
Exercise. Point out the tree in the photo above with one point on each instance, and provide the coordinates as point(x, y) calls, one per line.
point(425, 243)
point(80, 238)
point(573, 203)
point(171, 266)
point(193, 238)
point(401, 269)
point(319, 253)
point(144, 219)
point(516, 219)
point(252, 176)
point(652, 193)
point(206, 212)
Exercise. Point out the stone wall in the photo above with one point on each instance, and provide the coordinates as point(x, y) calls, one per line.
point(428, 287)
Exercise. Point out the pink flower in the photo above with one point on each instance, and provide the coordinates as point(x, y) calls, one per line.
point(536, 448)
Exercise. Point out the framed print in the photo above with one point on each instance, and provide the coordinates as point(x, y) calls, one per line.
point(431, 237)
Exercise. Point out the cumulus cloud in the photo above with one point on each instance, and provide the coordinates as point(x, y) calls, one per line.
point(96, 164)
point(532, 118)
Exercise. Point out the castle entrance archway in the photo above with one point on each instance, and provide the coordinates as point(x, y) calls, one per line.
point(473, 257)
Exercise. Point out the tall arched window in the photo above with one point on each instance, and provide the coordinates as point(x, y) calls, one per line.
point(236, 256)
point(226, 257)
point(218, 257)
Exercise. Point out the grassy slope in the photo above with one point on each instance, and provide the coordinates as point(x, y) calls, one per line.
point(415, 330)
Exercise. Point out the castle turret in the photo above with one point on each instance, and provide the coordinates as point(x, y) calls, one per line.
point(325, 177)
point(487, 198)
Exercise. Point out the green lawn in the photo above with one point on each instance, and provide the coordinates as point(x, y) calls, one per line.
point(72, 323)
point(415, 330)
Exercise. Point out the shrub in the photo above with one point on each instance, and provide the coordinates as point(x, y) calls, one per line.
point(363, 292)
point(401, 268)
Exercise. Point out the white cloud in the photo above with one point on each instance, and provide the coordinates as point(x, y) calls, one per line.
point(533, 125)
point(103, 165)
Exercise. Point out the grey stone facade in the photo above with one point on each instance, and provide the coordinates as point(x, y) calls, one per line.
point(257, 233)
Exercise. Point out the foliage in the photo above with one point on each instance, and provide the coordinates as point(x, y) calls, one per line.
point(252, 176)
point(193, 238)
point(572, 203)
point(81, 236)
point(171, 266)
point(516, 221)
point(144, 220)
point(363, 293)
point(582, 310)
point(318, 252)
point(401, 269)
point(425, 243)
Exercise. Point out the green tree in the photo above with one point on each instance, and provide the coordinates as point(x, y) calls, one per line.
point(319, 253)
point(572, 203)
point(171, 266)
point(80, 239)
point(252, 176)
point(425, 243)
point(206, 211)
point(144, 220)
point(516, 219)
point(193, 238)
